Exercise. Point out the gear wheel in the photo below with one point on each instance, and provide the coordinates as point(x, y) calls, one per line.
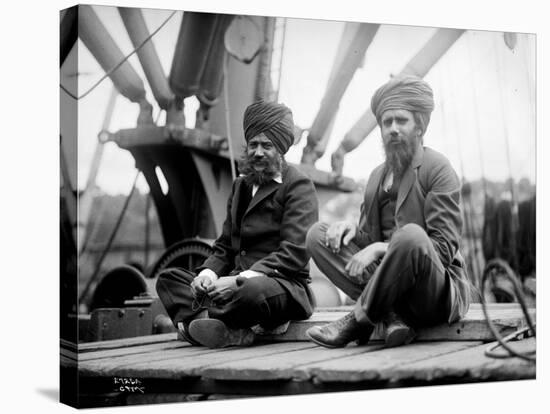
point(188, 254)
point(118, 285)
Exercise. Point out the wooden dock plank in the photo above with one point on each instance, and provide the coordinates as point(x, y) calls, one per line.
point(68, 353)
point(440, 353)
point(103, 366)
point(126, 342)
point(473, 327)
point(473, 307)
point(280, 367)
point(185, 362)
point(472, 363)
point(507, 316)
point(134, 350)
point(64, 344)
point(369, 366)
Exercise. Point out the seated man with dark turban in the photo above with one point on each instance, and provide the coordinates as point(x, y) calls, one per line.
point(257, 278)
point(401, 263)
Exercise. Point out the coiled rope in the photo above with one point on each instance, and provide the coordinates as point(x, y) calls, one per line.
point(503, 342)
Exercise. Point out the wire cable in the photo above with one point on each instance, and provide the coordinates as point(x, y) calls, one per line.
point(110, 241)
point(119, 64)
point(227, 123)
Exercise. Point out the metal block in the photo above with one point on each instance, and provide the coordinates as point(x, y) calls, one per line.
point(116, 323)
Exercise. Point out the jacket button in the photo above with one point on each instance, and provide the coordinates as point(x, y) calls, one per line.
point(243, 252)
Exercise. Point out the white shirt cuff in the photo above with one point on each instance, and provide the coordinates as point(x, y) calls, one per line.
point(251, 273)
point(210, 273)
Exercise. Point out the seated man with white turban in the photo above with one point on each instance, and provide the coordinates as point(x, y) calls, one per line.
point(401, 263)
point(257, 276)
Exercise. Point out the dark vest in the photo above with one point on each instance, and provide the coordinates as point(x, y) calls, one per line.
point(387, 201)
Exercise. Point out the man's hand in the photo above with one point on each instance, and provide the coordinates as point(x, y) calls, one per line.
point(360, 260)
point(341, 232)
point(201, 285)
point(223, 289)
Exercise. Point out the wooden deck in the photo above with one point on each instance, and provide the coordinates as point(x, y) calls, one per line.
point(159, 368)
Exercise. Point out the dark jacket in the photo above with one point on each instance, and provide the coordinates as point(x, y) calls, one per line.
point(428, 195)
point(271, 237)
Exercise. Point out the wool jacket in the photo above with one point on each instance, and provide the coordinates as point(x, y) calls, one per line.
point(271, 236)
point(428, 195)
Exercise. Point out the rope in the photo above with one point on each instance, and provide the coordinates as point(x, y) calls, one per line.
point(476, 111)
point(158, 116)
point(503, 102)
point(279, 75)
point(502, 342)
point(147, 231)
point(110, 241)
point(529, 76)
point(108, 73)
point(227, 124)
point(468, 215)
point(91, 235)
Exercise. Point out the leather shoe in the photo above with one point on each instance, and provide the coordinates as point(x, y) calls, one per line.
point(213, 333)
point(339, 333)
point(183, 334)
point(183, 329)
point(397, 332)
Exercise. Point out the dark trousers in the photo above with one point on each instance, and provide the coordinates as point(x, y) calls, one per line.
point(259, 300)
point(410, 280)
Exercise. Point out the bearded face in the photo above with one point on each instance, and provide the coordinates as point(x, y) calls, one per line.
point(260, 162)
point(401, 138)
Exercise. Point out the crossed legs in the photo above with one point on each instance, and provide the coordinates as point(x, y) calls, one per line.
point(258, 301)
point(410, 280)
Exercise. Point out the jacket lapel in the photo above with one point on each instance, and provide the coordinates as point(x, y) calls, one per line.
point(409, 178)
point(264, 191)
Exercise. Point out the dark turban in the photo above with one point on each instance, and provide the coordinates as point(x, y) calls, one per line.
point(274, 120)
point(404, 92)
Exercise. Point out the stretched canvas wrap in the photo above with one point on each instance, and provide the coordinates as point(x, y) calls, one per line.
point(152, 105)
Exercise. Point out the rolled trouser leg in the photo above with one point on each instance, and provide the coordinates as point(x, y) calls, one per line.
point(333, 264)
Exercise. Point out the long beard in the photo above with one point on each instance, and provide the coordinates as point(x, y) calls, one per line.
point(399, 157)
point(273, 167)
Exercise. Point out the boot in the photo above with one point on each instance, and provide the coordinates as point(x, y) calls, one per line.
point(213, 333)
point(339, 333)
point(397, 332)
